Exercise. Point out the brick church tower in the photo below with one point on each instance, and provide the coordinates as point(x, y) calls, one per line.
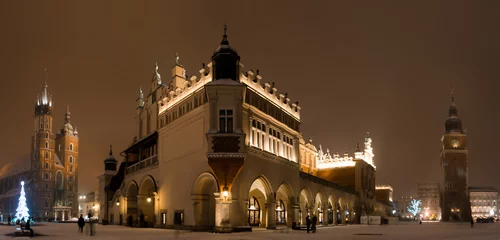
point(454, 154)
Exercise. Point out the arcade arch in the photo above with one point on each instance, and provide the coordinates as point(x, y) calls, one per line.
point(146, 200)
point(259, 194)
point(202, 196)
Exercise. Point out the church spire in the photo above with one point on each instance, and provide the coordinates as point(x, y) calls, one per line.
point(67, 117)
point(43, 99)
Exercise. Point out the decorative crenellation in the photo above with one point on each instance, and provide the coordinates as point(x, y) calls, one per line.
point(269, 91)
point(182, 86)
point(325, 160)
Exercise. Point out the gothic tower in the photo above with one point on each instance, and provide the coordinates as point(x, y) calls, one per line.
point(67, 154)
point(454, 154)
point(43, 155)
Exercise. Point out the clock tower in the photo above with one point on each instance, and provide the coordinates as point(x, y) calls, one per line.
point(454, 154)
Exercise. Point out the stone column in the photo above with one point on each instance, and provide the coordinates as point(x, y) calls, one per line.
point(222, 214)
point(271, 215)
point(295, 216)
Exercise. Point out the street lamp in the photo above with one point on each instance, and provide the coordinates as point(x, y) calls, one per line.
point(225, 192)
point(149, 199)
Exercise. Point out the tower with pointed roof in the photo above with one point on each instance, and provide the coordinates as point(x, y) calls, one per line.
point(454, 157)
point(54, 163)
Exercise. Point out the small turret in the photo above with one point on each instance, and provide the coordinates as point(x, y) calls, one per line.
point(140, 99)
point(225, 60)
point(110, 162)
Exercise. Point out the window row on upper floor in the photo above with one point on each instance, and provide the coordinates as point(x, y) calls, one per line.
point(181, 109)
point(270, 109)
point(270, 139)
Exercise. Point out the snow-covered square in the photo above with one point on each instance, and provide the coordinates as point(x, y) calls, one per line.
point(410, 231)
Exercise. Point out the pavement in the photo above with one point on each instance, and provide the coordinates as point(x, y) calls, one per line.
point(410, 231)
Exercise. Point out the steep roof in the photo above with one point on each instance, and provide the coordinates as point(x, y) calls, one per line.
point(22, 164)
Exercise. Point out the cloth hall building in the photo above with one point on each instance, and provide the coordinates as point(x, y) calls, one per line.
point(223, 151)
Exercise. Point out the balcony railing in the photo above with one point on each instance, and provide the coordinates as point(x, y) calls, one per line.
point(226, 142)
point(145, 163)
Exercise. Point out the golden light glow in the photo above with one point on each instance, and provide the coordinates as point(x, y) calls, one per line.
point(149, 199)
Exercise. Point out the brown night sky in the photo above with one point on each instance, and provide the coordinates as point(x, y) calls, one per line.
point(385, 66)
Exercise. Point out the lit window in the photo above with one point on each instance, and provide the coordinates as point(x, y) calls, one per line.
point(59, 147)
point(258, 134)
point(226, 121)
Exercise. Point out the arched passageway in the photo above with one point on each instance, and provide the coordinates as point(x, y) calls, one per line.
point(202, 196)
point(305, 200)
point(132, 204)
point(146, 199)
point(320, 208)
point(283, 215)
point(340, 212)
point(331, 210)
point(257, 203)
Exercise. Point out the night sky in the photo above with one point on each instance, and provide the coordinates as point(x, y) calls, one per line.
point(383, 66)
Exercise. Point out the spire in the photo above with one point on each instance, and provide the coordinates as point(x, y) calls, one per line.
point(453, 111)
point(357, 147)
point(110, 150)
point(67, 117)
point(44, 99)
point(177, 59)
point(224, 37)
point(157, 75)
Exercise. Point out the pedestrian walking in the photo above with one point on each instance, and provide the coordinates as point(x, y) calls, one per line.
point(81, 223)
point(472, 223)
point(141, 220)
point(314, 221)
point(308, 223)
point(28, 227)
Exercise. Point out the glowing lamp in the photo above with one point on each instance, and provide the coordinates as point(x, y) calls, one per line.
point(148, 199)
point(225, 192)
point(118, 203)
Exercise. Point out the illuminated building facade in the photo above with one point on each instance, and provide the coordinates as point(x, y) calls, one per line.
point(430, 195)
point(454, 157)
point(402, 208)
point(222, 150)
point(50, 173)
point(483, 202)
point(384, 203)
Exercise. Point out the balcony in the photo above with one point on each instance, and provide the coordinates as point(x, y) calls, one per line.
point(143, 164)
point(226, 142)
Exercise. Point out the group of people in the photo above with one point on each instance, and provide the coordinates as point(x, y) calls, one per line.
point(143, 221)
point(81, 224)
point(311, 223)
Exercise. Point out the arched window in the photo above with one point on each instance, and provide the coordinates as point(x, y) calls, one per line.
point(253, 212)
point(70, 168)
point(320, 213)
point(46, 144)
point(46, 176)
point(71, 146)
point(46, 134)
point(330, 214)
point(71, 159)
point(46, 165)
point(280, 213)
point(47, 155)
point(59, 180)
point(59, 147)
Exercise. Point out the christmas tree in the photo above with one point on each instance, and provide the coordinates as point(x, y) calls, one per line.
point(22, 209)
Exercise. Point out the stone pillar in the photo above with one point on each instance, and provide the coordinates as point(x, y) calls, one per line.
point(295, 217)
point(271, 215)
point(222, 214)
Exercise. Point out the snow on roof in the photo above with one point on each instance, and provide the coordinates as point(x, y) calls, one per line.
point(20, 165)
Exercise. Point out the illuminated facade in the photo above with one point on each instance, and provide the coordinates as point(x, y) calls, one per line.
point(50, 173)
point(222, 150)
point(483, 202)
point(454, 157)
point(430, 196)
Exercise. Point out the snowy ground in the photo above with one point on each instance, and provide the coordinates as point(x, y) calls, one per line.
point(426, 231)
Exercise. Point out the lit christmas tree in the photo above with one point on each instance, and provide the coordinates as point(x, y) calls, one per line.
point(22, 209)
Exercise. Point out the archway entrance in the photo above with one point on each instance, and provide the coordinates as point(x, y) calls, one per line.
point(304, 199)
point(340, 214)
point(132, 205)
point(202, 195)
point(283, 198)
point(319, 208)
point(331, 209)
point(147, 217)
point(257, 199)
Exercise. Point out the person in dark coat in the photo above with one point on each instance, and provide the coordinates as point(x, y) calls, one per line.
point(9, 219)
point(314, 221)
point(141, 220)
point(308, 223)
point(28, 227)
point(472, 223)
point(81, 223)
point(130, 220)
